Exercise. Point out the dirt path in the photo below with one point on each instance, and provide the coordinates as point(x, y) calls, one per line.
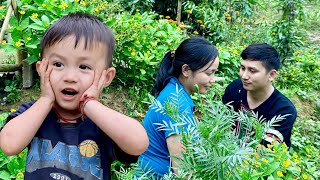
point(314, 37)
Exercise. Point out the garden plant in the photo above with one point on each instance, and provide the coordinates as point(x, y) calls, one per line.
point(146, 30)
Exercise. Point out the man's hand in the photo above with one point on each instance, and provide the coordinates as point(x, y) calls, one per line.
point(44, 71)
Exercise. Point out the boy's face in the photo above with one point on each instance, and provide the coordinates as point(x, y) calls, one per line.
point(254, 75)
point(73, 70)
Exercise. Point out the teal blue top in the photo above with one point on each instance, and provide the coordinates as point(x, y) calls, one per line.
point(160, 126)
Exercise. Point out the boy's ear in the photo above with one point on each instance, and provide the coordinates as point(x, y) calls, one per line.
point(38, 67)
point(185, 70)
point(272, 74)
point(111, 72)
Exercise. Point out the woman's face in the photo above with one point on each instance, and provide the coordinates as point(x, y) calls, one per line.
point(203, 78)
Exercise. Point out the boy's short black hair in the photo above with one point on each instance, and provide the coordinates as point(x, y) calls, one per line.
point(265, 53)
point(81, 25)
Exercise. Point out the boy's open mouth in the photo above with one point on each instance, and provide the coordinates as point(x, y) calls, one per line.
point(69, 92)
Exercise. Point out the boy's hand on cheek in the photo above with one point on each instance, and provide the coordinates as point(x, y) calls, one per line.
point(97, 86)
point(44, 72)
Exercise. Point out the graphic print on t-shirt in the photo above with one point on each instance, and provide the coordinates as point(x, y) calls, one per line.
point(83, 161)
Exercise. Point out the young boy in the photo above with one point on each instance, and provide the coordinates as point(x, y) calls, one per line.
point(254, 91)
point(69, 133)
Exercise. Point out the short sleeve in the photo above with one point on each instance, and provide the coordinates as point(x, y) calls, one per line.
point(22, 108)
point(184, 122)
point(231, 92)
point(283, 131)
point(114, 152)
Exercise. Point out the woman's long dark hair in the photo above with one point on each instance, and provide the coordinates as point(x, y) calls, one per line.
point(196, 52)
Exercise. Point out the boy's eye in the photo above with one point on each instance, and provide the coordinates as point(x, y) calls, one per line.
point(57, 64)
point(84, 67)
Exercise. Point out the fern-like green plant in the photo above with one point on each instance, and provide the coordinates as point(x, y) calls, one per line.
point(212, 151)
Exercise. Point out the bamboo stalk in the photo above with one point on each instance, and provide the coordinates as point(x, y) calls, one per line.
point(179, 12)
point(14, 6)
point(6, 21)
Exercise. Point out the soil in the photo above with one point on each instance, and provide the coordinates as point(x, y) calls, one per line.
point(114, 99)
point(119, 100)
point(315, 37)
point(305, 108)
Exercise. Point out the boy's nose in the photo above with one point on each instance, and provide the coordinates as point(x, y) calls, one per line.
point(70, 76)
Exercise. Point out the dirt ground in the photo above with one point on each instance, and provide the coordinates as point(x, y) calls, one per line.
point(119, 101)
point(114, 99)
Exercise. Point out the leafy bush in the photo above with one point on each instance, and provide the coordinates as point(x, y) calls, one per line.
point(301, 70)
point(141, 45)
point(229, 56)
point(11, 167)
point(34, 18)
point(218, 154)
point(288, 36)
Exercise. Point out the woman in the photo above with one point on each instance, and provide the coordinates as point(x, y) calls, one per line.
point(193, 63)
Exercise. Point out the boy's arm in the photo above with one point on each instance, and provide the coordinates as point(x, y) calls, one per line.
point(126, 132)
point(18, 132)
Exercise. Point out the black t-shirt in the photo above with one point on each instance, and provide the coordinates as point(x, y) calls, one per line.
point(70, 151)
point(276, 104)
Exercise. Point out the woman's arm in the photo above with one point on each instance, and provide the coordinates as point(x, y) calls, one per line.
point(175, 150)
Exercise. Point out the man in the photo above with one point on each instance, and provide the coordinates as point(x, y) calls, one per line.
point(254, 92)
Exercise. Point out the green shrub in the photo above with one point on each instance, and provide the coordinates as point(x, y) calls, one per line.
point(11, 167)
point(33, 18)
point(141, 45)
point(301, 70)
point(218, 154)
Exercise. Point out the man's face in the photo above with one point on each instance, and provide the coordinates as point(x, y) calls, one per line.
point(73, 70)
point(254, 75)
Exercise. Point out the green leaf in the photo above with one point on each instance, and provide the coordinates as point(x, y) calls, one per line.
point(45, 19)
point(7, 89)
point(90, 9)
point(8, 49)
point(25, 23)
point(36, 27)
point(39, 2)
point(111, 22)
point(5, 160)
point(32, 59)
point(13, 21)
point(33, 46)
point(224, 55)
point(4, 174)
point(37, 21)
point(142, 71)
point(13, 164)
point(270, 177)
point(272, 167)
point(16, 35)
